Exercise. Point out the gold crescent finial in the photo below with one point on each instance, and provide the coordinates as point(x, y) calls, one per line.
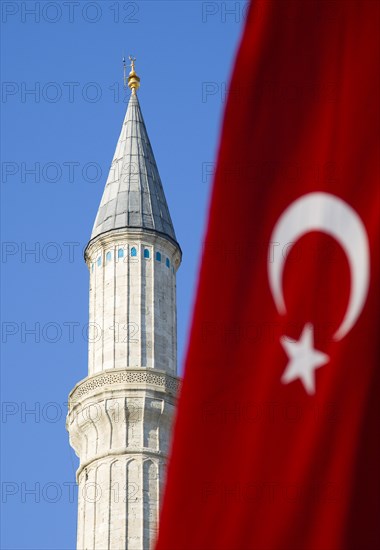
point(132, 60)
point(133, 79)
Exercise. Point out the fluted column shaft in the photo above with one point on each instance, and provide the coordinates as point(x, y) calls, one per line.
point(120, 425)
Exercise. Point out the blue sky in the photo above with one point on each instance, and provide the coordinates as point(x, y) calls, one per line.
point(62, 110)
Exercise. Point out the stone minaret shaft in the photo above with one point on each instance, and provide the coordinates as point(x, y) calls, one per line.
point(120, 416)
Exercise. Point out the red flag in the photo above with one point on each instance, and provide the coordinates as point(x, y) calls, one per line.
point(276, 443)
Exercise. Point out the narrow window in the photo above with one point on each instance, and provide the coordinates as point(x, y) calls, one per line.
point(133, 252)
point(92, 267)
point(167, 262)
point(146, 253)
point(120, 253)
point(108, 257)
point(99, 262)
point(158, 256)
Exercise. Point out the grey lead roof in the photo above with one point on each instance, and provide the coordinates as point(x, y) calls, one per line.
point(133, 196)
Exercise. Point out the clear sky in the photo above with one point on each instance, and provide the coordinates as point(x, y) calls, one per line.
point(57, 144)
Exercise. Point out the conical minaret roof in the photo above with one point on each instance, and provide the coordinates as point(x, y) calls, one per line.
point(133, 196)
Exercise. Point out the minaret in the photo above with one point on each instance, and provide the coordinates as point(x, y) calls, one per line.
point(120, 416)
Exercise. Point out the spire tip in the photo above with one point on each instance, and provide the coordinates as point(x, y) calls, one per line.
point(133, 79)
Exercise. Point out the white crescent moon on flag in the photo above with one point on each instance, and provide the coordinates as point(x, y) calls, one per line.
point(329, 214)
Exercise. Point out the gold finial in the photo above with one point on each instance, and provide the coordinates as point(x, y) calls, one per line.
point(133, 79)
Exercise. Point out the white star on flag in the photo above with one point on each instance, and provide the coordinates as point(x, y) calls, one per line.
point(303, 359)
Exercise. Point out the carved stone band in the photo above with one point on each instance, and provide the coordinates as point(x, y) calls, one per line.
point(162, 380)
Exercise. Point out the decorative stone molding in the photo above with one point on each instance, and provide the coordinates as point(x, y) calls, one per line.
point(162, 380)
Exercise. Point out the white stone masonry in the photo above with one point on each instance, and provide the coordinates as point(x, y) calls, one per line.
point(120, 416)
